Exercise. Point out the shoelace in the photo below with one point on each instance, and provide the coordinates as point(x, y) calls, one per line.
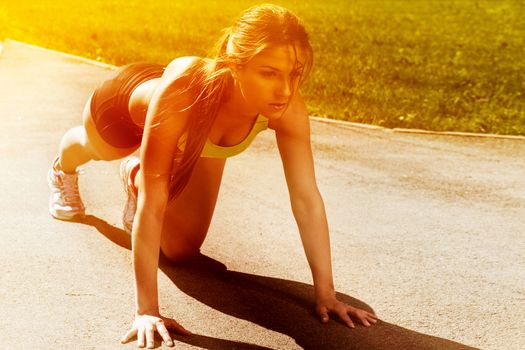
point(69, 189)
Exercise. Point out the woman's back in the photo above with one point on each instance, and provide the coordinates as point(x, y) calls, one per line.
point(141, 96)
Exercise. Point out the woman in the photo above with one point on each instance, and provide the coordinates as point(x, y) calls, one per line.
point(188, 118)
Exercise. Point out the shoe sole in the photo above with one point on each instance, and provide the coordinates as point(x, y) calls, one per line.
point(66, 217)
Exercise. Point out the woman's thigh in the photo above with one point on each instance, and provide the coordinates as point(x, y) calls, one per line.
point(188, 216)
point(96, 144)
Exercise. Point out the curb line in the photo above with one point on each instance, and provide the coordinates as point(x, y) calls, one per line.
point(415, 131)
point(347, 123)
point(314, 118)
point(458, 133)
point(60, 53)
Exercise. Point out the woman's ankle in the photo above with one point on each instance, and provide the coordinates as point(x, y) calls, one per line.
point(59, 166)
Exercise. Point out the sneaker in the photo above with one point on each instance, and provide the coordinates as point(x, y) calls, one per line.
point(130, 208)
point(64, 202)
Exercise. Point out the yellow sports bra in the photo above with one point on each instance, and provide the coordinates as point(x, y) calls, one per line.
point(212, 150)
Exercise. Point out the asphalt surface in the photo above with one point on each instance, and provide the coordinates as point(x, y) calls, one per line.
point(426, 230)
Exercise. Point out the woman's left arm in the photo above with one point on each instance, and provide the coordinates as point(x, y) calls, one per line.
point(293, 139)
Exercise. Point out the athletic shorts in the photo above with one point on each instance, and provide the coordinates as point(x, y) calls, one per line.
point(109, 104)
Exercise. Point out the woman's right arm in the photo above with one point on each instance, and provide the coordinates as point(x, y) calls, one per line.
point(165, 122)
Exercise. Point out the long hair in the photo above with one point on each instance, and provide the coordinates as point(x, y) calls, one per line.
point(257, 29)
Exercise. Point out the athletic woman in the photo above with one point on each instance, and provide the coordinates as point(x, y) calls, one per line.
point(187, 118)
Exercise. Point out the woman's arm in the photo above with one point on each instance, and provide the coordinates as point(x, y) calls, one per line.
point(293, 139)
point(165, 122)
point(159, 142)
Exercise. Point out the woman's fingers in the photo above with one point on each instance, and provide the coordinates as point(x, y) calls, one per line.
point(150, 336)
point(343, 314)
point(163, 331)
point(145, 326)
point(362, 317)
point(372, 317)
point(130, 334)
point(140, 337)
point(366, 318)
point(364, 321)
point(322, 311)
point(346, 313)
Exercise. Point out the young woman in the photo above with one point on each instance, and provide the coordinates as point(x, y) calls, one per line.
point(188, 118)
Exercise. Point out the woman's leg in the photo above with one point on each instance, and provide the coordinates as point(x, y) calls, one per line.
point(188, 217)
point(78, 146)
point(74, 150)
point(83, 143)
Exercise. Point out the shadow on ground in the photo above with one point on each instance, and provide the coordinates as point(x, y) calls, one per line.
point(280, 305)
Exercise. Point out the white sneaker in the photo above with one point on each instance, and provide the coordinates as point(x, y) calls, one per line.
point(130, 208)
point(64, 202)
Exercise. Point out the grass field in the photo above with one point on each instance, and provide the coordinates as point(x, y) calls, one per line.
point(431, 64)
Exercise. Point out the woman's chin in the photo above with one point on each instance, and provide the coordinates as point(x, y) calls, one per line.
point(273, 113)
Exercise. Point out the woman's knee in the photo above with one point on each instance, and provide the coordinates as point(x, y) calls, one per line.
point(181, 247)
point(74, 149)
point(180, 254)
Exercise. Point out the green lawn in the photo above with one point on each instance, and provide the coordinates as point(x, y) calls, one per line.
point(432, 64)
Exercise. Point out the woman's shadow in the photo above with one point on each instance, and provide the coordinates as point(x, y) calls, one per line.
point(280, 305)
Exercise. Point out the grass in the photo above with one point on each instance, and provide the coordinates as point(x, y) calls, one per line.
point(430, 64)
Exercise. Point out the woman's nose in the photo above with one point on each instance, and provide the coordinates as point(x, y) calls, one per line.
point(284, 89)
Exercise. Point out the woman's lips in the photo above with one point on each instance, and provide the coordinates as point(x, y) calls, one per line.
point(277, 106)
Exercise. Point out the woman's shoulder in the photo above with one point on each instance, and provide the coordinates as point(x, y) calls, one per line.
point(182, 67)
point(178, 75)
point(173, 93)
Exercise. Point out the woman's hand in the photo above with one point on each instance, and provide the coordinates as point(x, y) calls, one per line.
point(331, 305)
point(145, 326)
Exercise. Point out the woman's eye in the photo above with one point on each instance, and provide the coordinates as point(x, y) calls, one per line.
point(268, 74)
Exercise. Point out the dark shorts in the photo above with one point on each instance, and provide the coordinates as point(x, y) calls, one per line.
point(109, 104)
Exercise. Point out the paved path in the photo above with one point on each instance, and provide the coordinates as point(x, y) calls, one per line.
point(426, 230)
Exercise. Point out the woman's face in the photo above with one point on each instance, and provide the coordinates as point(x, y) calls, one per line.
point(267, 82)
